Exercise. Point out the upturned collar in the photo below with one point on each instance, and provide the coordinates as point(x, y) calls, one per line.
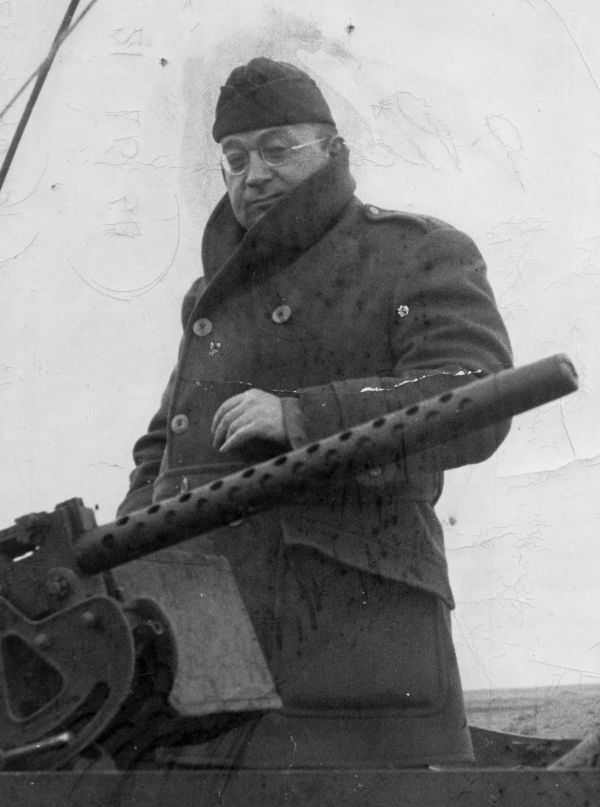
point(287, 230)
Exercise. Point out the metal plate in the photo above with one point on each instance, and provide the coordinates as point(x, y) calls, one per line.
point(220, 665)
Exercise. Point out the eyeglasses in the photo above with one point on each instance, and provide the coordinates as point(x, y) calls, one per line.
point(236, 161)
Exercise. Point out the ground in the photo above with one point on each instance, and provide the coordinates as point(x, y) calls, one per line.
point(565, 712)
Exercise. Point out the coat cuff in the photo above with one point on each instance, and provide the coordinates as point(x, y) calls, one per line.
point(294, 421)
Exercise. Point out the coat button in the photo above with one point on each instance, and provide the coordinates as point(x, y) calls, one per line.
point(179, 424)
point(373, 210)
point(281, 314)
point(202, 327)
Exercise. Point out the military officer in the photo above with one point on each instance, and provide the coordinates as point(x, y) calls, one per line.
point(317, 312)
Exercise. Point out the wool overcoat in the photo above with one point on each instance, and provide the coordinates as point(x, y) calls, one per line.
point(346, 311)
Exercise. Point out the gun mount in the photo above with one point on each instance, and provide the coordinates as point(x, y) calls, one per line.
point(75, 651)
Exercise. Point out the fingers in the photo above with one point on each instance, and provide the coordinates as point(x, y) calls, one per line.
point(229, 417)
point(253, 413)
point(226, 407)
point(238, 437)
point(225, 432)
point(223, 427)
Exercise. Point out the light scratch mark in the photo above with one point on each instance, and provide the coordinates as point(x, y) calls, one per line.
point(4, 205)
point(506, 133)
point(16, 255)
point(420, 378)
point(132, 39)
point(382, 105)
point(564, 668)
point(127, 229)
point(126, 294)
point(295, 744)
point(361, 158)
point(562, 417)
point(132, 115)
point(575, 42)
point(432, 126)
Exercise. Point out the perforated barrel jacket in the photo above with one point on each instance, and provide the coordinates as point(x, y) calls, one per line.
point(346, 311)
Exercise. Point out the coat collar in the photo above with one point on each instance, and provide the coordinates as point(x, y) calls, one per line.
point(230, 253)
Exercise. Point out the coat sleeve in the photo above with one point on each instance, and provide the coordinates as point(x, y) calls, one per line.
point(149, 449)
point(147, 456)
point(447, 333)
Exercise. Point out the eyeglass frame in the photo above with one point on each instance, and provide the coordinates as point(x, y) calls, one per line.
point(259, 150)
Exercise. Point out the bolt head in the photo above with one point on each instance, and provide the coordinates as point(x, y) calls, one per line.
point(42, 641)
point(89, 619)
point(58, 587)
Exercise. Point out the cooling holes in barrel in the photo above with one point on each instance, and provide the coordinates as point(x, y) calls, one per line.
point(108, 541)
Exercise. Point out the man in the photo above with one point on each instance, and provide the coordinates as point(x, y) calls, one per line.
point(317, 312)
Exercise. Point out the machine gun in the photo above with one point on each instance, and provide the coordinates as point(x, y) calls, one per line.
point(82, 659)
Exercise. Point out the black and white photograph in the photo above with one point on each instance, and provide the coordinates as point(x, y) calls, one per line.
point(299, 394)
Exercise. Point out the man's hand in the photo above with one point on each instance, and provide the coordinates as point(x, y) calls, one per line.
point(249, 415)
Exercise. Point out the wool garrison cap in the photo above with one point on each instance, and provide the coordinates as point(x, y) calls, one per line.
point(265, 93)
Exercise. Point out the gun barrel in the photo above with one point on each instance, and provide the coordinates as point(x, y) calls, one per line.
point(388, 439)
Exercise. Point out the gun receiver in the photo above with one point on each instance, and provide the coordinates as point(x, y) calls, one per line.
point(71, 645)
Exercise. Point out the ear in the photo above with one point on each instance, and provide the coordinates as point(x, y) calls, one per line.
point(336, 146)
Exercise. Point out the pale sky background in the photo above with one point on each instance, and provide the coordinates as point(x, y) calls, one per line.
point(484, 113)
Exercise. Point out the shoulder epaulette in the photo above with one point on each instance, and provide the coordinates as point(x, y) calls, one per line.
point(379, 214)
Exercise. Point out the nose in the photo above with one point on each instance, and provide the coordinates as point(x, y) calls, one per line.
point(258, 171)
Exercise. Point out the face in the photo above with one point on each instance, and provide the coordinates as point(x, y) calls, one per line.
point(261, 186)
